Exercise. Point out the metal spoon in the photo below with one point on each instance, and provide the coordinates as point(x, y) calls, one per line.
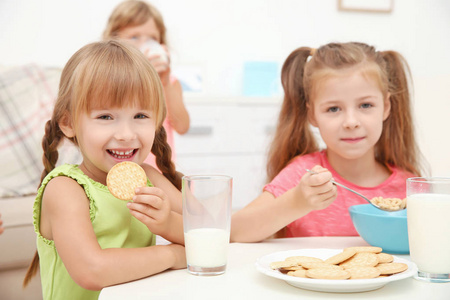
point(355, 192)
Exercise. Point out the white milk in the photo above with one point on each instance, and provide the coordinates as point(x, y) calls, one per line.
point(429, 232)
point(206, 247)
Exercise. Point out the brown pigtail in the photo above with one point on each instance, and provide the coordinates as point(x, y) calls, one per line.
point(398, 128)
point(50, 142)
point(293, 136)
point(32, 270)
point(163, 156)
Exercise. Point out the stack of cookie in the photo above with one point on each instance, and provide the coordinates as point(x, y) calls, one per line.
point(351, 263)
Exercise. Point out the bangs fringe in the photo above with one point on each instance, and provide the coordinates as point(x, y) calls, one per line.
point(115, 79)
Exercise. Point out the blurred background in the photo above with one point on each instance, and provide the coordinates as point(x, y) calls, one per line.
point(219, 47)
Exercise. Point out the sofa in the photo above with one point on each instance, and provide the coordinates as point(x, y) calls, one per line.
point(27, 94)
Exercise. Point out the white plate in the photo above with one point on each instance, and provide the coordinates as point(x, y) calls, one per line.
point(325, 285)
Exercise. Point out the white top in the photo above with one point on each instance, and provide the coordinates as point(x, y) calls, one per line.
point(243, 281)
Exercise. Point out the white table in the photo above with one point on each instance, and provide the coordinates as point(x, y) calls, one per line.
point(243, 281)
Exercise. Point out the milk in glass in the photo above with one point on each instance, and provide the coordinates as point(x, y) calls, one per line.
point(429, 232)
point(206, 247)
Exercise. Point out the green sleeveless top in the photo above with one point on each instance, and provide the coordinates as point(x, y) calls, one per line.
point(113, 225)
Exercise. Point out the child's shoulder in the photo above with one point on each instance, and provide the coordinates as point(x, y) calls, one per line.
point(310, 160)
point(400, 174)
point(152, 173)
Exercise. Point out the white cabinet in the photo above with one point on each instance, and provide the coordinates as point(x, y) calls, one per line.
point(229, 137)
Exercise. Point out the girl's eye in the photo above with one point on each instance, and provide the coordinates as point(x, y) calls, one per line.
point(104, 117)
point(366, 105)
point(333, 109)
point(141, 116)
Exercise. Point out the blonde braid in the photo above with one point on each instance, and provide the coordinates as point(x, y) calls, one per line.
point(163, 155)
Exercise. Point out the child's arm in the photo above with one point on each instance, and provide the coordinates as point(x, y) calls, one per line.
point(176, 110)
point(266, 215)
point(65, 219)
point(1, 225)
point(177, 113)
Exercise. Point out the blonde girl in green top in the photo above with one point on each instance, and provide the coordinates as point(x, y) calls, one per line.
point(110, 104)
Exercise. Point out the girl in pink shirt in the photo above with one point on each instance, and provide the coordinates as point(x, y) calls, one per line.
point(359, 100)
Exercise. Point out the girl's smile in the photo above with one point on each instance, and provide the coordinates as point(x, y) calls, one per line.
point(352, 140)
point(122, 154)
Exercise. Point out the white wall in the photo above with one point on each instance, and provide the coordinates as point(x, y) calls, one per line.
point(219, 35)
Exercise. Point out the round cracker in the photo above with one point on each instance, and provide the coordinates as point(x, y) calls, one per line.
point(293, 268)
point(363, 272)
point(301, 259)
point(340, 257)
point(328, 273)
point(282, 264)
point(392, 268)
point(362, 259)
point(298, 273)
point(318, 264)
point(123, 179)
point(385, 258)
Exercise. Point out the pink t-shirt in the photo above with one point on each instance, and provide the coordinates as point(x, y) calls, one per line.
point(335, 219)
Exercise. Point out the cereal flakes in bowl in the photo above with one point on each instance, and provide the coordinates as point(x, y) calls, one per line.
point(379, 228)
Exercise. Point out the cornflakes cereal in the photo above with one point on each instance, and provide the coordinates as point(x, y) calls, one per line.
point(389, 203)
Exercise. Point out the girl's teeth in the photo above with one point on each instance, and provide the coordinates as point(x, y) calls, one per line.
point(121, 154)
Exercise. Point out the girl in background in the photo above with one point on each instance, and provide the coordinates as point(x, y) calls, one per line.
point(111, 105)
point(359, 100)
point(1, 225)
point(139, 22)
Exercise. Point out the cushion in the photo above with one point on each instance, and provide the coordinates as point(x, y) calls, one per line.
point(18, 241)
point(27, 94)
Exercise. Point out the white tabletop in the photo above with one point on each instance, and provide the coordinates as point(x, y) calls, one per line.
point(243, 281)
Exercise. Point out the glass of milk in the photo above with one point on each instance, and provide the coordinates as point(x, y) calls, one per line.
point(153, 47)
point(206, 220)
point(428, 215)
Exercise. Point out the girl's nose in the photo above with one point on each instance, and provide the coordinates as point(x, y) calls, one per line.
point(125, 132)
point(351, 121)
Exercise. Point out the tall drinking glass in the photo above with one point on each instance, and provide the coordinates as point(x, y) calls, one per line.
point(206, 220)
point(428, 215)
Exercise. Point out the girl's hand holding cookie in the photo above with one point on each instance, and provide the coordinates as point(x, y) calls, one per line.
point(151, 206)
point(316, 190)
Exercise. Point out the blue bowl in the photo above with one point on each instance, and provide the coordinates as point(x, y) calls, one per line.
point(379, 228)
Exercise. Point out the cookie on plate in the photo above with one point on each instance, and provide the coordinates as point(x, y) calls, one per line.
point(328, 273)
point(340, 257)
point(123, 179)
point(361, 259)
point(392, 268)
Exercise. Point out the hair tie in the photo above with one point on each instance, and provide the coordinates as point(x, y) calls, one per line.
point(312, 51)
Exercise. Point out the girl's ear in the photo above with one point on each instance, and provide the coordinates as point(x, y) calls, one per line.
point(387, 106)
point(65, 124)
point(311, 118)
